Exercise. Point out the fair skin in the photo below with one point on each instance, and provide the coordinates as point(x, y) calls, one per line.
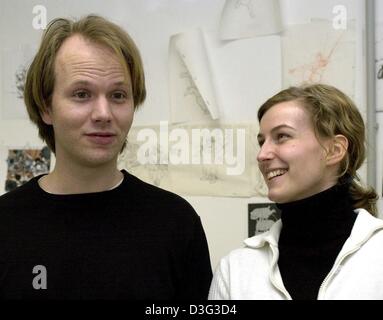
point(294, 162)
point(91, 113)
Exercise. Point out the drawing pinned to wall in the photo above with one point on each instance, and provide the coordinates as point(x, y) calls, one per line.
point(196, 159)
point(206, 73)
point(143, 144)
point(219, 163)
point(247, 72)
point(257, 177)
point(192, 92)
point(249, 18)
point(14, 65)
point(24, 164)
point(379, 161)
point(261, 216)
point(379, 66)
point(316, 52)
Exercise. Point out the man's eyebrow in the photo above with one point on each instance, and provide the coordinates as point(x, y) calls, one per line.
point(121, 83)
point(281, 126)
point(80, 82)
point(89, 83)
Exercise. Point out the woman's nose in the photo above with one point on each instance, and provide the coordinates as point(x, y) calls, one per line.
point(266, 152)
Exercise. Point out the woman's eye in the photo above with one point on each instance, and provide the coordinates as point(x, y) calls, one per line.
point(282, 136)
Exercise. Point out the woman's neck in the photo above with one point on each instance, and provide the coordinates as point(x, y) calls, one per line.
point(322, 216)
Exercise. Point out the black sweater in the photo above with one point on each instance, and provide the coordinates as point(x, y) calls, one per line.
point(133, 242)
point(313, 233)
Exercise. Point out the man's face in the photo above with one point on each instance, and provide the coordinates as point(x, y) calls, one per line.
point(92, 104)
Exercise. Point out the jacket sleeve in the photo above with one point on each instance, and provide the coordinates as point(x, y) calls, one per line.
point(219, 289)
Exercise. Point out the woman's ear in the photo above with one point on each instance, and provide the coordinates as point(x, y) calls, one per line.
point(46, 116)
point(337, 149)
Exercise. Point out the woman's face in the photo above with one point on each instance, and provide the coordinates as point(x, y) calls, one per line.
point(291, 159)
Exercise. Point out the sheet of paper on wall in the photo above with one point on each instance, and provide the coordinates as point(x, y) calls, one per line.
point(144, 157)
point(14, 64)
point(24, 164)
point(379, 163)
point(219, 161)
point(250, 18)
point(317, 52)
point(199, 159)
point(258, 182)
point(379, 65)
point(192, 92)
point(247, 72)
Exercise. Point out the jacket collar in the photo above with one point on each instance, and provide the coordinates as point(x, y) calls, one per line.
point(271, 237)
point(364, 228)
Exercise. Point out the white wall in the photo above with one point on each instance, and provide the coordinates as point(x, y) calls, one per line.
point(151, 22)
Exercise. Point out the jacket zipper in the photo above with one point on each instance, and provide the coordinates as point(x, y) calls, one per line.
point(322, 288)
point(272, 278)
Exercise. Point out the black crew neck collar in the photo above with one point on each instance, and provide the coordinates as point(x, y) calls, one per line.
point(66, 197)
point(321, 217)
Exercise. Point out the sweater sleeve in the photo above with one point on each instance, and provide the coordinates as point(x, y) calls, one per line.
point(198, 274)
point(219, 289)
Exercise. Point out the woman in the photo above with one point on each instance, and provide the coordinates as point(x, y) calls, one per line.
point(327, 244)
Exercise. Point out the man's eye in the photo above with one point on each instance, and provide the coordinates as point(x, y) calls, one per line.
point(119, 95)
point(81, 94)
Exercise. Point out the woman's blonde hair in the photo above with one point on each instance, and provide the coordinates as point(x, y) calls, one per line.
point(332, 112)
point(40, 78)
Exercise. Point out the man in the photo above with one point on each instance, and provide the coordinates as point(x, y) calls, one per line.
point(87, 230)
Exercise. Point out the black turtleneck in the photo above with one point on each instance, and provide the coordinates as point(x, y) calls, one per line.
point(313, 233)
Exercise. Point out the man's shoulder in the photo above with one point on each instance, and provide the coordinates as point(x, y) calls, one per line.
point(18, 195)
point(152, 191)
point(156, 196)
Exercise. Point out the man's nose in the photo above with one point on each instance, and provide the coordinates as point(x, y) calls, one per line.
point(101, 110)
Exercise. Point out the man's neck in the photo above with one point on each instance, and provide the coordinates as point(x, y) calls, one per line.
point(63, 180)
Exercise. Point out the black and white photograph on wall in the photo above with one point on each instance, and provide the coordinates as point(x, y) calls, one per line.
point(261, 217)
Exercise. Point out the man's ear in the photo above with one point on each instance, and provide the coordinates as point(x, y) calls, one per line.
point(337, 149)
point(46, 116)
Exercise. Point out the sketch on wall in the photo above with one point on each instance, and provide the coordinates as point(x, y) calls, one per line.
point(196, 159)
point(153, 172)
point(14, 65)
point(379, 161)
point(237, 66)
point(379, 66)
point(261, 216)
point(192, 93)
point(24, 164)
point(327, 57)
point(249, 18)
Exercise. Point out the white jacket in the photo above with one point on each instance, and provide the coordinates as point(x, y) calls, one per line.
point(252, 272)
